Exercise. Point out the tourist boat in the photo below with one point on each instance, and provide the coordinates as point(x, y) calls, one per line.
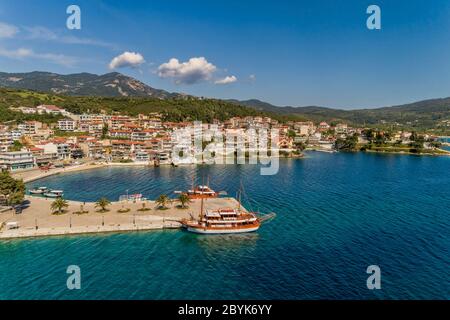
point(54, 194)
point(39, 190)
point(223, 221)
point(200, 192)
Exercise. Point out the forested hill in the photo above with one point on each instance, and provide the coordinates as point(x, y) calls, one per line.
point(423, 114)
point(173, 109)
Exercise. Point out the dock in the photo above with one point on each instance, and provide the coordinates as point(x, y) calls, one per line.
point(38, 221)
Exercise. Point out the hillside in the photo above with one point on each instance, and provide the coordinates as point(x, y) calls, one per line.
point(112, 84)
point(117, 92)
point(422, 114)
point(173, 109)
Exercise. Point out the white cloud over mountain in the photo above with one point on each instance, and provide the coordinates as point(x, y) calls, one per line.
point(192, 71)
point(226, 80)
point(127, 59)
point(23, 53)
point(8, 30)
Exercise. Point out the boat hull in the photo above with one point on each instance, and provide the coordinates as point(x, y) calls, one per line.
point(220, 231)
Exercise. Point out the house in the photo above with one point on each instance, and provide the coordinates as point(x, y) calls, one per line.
point(67, 124)
point(323, 126)
point(50, 109)
point(17, 160)
point(141, 156)
point(125, 148)
point(5, 141)
point(341, 128)
point(92, 149)
point(30, 127)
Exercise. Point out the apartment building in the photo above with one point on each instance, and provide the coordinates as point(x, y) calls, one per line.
point(17, 160)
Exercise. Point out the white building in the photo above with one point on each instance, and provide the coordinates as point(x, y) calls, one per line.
point(5, 141)
point(67, 124)
point(18, 160)
point(29, 127)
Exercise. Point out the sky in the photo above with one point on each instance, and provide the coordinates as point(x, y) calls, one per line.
point(296, 53)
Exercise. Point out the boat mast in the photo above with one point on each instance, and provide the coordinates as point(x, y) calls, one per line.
point(239, 200)
point(201, 209)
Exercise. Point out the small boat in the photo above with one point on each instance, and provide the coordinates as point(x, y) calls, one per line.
point(39, 190)
point(202, 192)
point(54, 194)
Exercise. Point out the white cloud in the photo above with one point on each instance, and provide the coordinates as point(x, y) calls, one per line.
point(127, 59)
point(8, 30)
point(43, 33)
point(23, 53)
point(226, 80)
point(190, 72)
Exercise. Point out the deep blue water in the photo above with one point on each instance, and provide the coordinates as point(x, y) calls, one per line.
point(336, 215)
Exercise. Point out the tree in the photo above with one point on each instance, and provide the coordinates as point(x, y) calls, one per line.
point(105, 131)
point(59, 205)
point(347, 144)
point(11, 189)
point(184, 200)
point(16, 146)
point(102, 203)
point(162, 201)
point(300, 146)
point(291, 134)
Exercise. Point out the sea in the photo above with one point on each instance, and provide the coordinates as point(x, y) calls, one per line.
point(336, 216)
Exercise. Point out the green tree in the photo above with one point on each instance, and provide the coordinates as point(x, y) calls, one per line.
point(12, 190)
point(102, 203)
point(291, 134)
point(59, 205)
point(162, 201)
point(184, 200)
point(16, 146)
point(347, 144)
point(105, 131)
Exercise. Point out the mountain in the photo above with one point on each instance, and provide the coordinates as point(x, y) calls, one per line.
point(426, 113)
point(112, 84)
point(422, 114)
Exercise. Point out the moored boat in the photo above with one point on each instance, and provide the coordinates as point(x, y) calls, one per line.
point(39, 190)
point(54, 194)
point(200, 192)
point(223, 221)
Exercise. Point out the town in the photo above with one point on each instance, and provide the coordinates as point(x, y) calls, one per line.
point(147, 139)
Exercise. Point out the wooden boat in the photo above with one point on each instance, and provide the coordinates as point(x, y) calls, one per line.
point(223, 221)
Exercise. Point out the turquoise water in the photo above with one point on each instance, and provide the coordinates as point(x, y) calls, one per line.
point(445, 140)
point(336, 215)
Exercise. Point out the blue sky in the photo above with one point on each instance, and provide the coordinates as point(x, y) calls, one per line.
point(285, 52)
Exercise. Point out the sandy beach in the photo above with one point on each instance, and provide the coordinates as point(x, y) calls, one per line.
point(38, 220)
point(36, 173)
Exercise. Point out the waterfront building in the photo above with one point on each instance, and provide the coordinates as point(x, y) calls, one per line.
point(17, 160)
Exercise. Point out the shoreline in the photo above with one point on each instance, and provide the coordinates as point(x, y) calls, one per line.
point(35, 173)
